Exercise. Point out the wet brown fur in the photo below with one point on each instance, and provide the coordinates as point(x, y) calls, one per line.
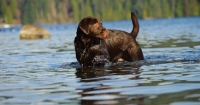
point(115, 45)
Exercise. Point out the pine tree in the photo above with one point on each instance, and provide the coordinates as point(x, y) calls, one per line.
point(88, 8)
point(13, 7)
point(75, 9)
point(3, 9)
point(194, 8)
point(186, 8)
point(8, 16)
point(30, 12)
point(179, 8)
point(166, 8)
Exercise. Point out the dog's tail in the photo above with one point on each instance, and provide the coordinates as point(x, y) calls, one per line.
point(135, 22)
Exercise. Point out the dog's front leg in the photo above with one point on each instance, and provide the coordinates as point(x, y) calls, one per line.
point(88, 55)
point(95, 55)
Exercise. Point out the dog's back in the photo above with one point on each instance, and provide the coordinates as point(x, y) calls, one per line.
point(121, 44)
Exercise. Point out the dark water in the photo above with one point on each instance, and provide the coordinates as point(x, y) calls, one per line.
point(39, 72)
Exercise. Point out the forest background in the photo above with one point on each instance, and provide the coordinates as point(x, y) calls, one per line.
point(67, 11)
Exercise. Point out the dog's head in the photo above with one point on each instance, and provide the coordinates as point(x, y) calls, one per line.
point(93, 27)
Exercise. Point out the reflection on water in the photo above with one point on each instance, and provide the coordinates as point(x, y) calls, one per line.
point(46, 72)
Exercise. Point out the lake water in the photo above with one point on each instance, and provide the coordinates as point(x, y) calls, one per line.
point(45, 72)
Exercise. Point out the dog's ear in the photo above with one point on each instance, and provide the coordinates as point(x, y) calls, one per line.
point(84, 24)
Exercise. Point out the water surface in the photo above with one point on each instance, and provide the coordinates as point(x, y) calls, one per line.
point(39, 72)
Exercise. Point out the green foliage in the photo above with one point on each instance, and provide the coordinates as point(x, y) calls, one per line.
point(8, 15)
point(88, 9)
point(29, 15)
point(45, 8)
point(3, 8)
point(13, 7)
point(6, 11)
point(59, 11)
point(3, 5)
point(179, 8)
point(75, 8)
point(166, 8)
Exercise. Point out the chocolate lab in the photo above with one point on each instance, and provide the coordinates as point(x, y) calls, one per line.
point(94, 42)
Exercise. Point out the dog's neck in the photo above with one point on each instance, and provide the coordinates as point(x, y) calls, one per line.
point(86, 40)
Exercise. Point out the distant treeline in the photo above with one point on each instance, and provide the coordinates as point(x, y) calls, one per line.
point(63, 11)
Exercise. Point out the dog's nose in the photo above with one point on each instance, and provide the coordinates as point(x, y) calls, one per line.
point(105, 58)
point(100, 59)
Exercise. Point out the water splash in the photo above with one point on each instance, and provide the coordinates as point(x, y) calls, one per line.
point(188, 56)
